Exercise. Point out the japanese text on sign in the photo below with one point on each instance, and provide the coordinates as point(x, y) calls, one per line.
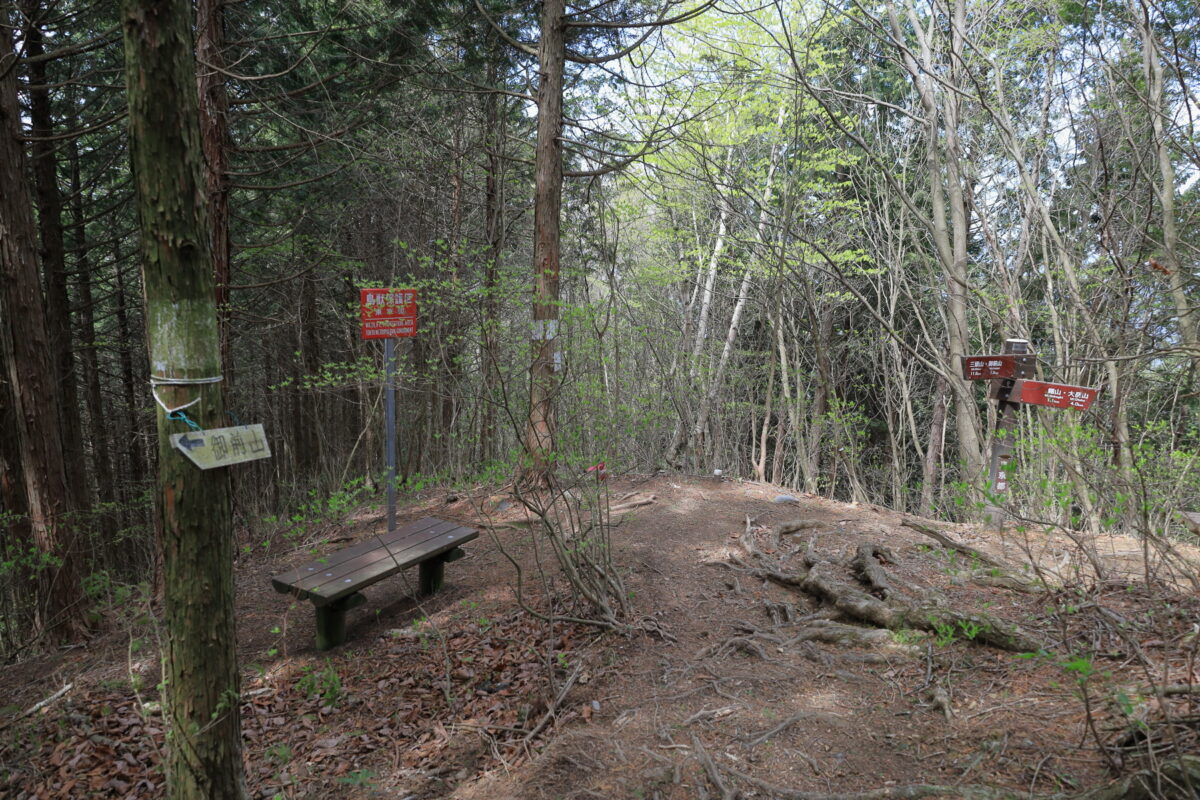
point(1054, 395)
point(388, 313)
point(981, 368)
point(223, 447)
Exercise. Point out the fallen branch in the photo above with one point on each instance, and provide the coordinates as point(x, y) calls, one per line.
point(632, 504)
point(795, 526)
point(1010, 582)
point(950, 544)
point(38, 706)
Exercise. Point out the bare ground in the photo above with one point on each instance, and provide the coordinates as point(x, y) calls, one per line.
point(761, 671)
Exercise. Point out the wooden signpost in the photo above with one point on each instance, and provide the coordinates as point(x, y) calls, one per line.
point(389, 314)
point(1054, 395)
point(1011, 374)
point(979, 368)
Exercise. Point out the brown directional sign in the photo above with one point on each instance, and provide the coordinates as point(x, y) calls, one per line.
point(1055, 395)
point(982, 368)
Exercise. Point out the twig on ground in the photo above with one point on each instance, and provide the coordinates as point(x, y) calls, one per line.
point(38, 706)
point(550, 712)
point(780, 728)
point(707, 715)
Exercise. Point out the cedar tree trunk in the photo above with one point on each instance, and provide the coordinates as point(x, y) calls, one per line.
point(200, 667)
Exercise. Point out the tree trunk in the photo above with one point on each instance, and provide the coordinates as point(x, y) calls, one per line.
point(309, 417)
point(493, 212)
point(98, 421)
point(16, 606)
point(1153, 73)
point(547, 205)
point(54, 263)
point(933, 453)
point(200, 665)
point(944, 155)
point(214, 132)
point(135, 455)
point(25, 340)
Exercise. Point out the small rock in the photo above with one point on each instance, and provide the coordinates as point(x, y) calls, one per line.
point(785, 498)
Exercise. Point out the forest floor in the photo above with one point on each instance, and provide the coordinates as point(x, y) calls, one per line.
point(758, 669)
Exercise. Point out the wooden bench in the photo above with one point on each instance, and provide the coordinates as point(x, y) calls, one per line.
point(333, 582)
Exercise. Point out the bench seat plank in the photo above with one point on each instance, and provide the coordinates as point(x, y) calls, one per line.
point(339, 557)
point(343, 573)
point(344, 562)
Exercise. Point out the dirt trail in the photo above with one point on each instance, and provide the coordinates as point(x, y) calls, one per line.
point(756, 685)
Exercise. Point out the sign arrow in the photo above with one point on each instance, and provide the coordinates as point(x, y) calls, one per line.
point(188, 444)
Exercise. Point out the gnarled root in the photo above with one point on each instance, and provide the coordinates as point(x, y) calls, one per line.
point(895, 615)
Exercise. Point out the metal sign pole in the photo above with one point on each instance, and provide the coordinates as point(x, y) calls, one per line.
point(389, 359)
point(1006, 428)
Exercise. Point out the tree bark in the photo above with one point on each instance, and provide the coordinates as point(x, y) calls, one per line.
point(102, 466)
point(493, 213)
point(53, 258)
point(200, 664)
point(1156, 107)
point(25, 340)
point(547, 206)
point(214, 127)
point(948, 199)
point(135, 454)
point(17, 608)
point(933, 452)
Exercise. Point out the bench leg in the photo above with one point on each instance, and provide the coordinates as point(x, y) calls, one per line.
point(331, 620)
point(433, 571)
point(433, 574)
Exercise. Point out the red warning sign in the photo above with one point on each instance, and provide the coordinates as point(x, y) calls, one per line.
point(388, 313)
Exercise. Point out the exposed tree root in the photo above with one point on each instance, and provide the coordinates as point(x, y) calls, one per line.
point(892, 613)
point(713, 773)
point(744, 644)
point(632, 504)
point(895, 615)
point(869, 570)
point(841, 634)
point(939, 698)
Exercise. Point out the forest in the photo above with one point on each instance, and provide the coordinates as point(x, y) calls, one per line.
point(744, 239)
